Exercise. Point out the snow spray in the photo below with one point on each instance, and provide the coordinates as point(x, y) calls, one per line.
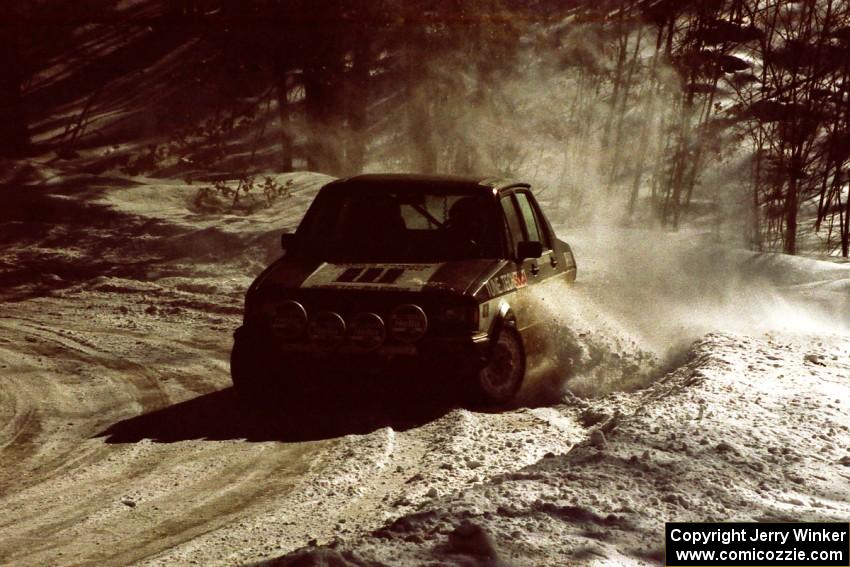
point(643, 297)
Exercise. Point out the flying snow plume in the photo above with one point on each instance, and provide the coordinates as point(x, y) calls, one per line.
point(642, 297)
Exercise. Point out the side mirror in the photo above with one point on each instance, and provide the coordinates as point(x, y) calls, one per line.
point(529, 249)
point(287, 239)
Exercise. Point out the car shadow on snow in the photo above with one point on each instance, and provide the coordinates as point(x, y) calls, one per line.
point(221, 415)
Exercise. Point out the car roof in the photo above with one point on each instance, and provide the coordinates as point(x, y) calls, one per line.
point(409, 181)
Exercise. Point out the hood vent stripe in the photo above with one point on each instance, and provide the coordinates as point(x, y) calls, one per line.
point(370, 275)
point(408, 277)
point(391, 275)
point(349, 275)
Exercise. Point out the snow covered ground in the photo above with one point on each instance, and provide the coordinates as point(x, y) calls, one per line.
point(708, 384)
point(749, 429)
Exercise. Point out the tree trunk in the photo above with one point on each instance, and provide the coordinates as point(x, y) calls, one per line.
point(286, 143)
point(323, 66)
point(322, 153)
point(845, 229)
point(756, 240)
point(15, 140)
point(323, 95)
point(420, 119)
point(790, 241)
point(420, 125)
point(621, 112)
point(792, 208)
point(358, 104)
point(615, 95)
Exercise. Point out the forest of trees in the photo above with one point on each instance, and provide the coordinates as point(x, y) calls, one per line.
point(647, 99)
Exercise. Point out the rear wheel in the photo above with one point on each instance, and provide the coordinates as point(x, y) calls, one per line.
point(501, 379)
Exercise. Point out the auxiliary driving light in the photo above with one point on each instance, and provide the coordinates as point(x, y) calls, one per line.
point(327, 330)
point(288, 320)
point(366, 331)
point(408, 323)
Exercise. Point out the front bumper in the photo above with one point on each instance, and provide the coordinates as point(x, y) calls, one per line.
point(451, 354)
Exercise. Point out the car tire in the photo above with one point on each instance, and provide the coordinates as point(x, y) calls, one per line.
point(263, 386)
point(501, 379)
point(250, 377)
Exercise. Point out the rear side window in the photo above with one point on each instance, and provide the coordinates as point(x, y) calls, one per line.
point(534, 228)
point(532, 231)
point(515, 234)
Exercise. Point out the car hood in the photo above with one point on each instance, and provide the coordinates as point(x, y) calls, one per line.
point(464, 276)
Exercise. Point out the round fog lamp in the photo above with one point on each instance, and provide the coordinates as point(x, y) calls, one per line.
point(408, 323)
point(367, 331)
point(289, 320)
point(327, 330)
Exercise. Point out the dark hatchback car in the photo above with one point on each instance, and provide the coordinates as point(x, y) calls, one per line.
point(427, 277)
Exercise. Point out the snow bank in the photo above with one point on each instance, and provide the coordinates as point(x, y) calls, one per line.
point(173, 203)
point(750, 429)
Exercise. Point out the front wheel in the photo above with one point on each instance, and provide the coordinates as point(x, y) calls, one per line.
point(250, 376)
point(501, 379)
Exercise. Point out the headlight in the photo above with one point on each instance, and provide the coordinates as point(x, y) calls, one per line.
point(408, 323)
point(327, 330)
point(288, 319)
point(366, 331)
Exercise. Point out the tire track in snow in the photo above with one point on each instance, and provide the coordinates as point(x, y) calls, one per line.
point(220, 501)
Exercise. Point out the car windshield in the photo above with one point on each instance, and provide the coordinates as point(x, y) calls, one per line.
point(402, 226)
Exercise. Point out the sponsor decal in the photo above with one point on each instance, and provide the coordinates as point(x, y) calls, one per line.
point(504, 283)
point(520, 279)
point(406, 277)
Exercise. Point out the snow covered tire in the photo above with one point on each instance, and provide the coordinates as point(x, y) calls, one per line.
point(501, 379)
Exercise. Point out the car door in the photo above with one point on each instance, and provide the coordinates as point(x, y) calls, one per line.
point(525, 222)
point(527, 270)
point(535, 229)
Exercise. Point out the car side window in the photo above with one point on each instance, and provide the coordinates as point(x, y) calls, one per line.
point(512, 219)
point(534, 231)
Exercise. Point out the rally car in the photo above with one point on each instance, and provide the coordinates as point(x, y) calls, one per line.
point(421, 276)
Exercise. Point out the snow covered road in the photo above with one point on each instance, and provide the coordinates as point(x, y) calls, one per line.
point(121, 441)
point(123, 444)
